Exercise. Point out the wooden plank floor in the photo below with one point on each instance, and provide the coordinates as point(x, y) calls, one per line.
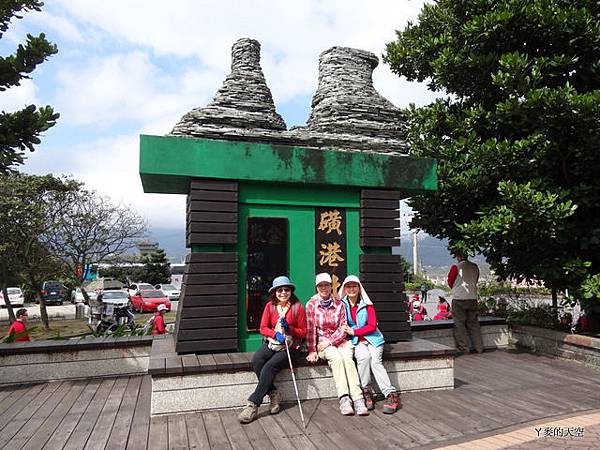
point(92, 414)
point(494, 391)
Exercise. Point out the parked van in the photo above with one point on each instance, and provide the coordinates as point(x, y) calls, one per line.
point(53, 293)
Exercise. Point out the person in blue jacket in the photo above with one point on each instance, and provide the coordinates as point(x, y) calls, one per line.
point(368, 344)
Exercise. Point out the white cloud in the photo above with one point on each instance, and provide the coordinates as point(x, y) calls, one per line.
point(110, 166)
point(58, 26)
point(292, 34)
point(17, 97)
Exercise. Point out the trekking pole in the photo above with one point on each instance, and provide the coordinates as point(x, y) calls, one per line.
point(287, 349)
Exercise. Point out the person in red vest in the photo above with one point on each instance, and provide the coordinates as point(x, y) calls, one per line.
point(419, 311)
point(19, 327)
point(158, 323)
point(443, 310)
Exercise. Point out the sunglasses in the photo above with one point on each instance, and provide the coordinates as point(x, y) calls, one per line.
point(283, 289)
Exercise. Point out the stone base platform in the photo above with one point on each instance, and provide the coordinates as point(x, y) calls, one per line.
point(205, 382)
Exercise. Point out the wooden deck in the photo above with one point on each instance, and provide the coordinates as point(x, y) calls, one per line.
point(494, 392)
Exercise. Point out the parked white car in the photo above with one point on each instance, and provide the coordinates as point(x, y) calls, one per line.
point(15, 296)
point(77, 295)
point(170, 291)
point(135, 288)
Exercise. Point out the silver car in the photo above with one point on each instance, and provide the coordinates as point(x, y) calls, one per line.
point(77, 295)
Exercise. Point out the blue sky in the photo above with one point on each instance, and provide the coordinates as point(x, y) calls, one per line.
point(131, 67)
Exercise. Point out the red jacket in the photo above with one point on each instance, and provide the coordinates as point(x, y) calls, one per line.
point(295, 317)
point(16, 328)
point(158, 325)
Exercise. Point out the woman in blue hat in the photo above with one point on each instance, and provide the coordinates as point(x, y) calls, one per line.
point(283, 321)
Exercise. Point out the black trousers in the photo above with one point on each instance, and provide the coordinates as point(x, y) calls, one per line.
point(266, 363)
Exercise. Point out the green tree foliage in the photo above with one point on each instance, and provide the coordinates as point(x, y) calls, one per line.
point(29, 212)
point(517, 137)
point(157, 268)
point(125, 273)
point(21, 130)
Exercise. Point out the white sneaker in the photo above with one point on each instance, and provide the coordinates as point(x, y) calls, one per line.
point(360, 407)
point(346, 406)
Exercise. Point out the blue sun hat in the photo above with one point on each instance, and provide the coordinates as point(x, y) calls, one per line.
point(282, 281)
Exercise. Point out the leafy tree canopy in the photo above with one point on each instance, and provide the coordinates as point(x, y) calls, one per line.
point(21, 130)
point(517, 137)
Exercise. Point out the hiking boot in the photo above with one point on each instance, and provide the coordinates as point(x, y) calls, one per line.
point(360, 407)
point(274, 402)
point(249, 413)
point(346, 406)
point(392, 403)
point(368, 396)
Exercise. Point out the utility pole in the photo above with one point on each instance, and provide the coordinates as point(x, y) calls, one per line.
point(415, 253)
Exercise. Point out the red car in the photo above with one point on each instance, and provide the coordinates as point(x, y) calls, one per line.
point(148, 300)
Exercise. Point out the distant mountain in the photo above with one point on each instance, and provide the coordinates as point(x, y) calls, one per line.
point(171, 240)
point(433, 252)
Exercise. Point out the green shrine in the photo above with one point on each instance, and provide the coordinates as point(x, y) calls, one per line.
point(264, 201)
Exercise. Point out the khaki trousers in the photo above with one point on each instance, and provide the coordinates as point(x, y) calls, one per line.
point(345, 375)
point(466, 325)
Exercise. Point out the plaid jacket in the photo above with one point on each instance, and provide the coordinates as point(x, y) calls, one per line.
point(325, 324)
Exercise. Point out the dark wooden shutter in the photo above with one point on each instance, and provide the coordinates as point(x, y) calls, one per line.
point(212, 212)
point(382, 277)
point(207, 313)
point(381, 274)
point(379, 218)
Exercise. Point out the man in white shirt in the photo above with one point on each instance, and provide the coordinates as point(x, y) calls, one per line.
point(463, 278)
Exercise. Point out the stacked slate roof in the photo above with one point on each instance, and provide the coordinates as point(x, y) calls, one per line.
point(347, 112)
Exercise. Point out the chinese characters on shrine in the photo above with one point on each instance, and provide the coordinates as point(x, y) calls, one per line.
point(330, 242)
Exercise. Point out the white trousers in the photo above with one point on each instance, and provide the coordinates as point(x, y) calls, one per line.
point(370, 359)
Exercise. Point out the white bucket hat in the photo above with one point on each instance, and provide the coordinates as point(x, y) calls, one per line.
point(363, 294)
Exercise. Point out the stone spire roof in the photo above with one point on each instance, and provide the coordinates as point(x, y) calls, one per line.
point(348, 113)
point(244, 101)
point(346, 101)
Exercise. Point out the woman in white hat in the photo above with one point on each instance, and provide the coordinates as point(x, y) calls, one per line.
point(283, 323)
point(368, 344)
point(326, 339)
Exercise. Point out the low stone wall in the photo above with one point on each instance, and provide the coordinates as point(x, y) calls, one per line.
point(494, 336)
point(42, 361)
point(413, 366)
point(584, 349)
point(494, 331)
